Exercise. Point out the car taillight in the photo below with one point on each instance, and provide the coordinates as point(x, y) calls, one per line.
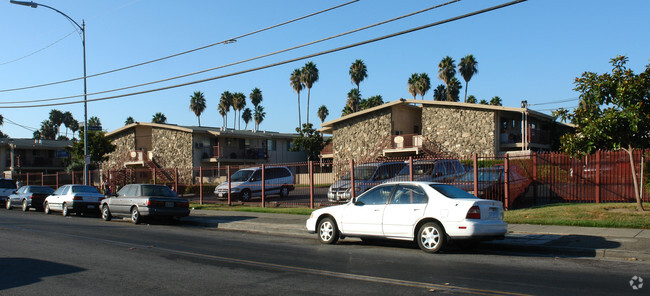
point(474, 213)
point(155, 203)
point(77, 198)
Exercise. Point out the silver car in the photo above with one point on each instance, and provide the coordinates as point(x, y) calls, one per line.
point(144, 200)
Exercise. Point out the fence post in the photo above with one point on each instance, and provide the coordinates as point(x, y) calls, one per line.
point(598, 176)
point(72, 173)
point(200, 185)
point(351, 179)
point(42, 179)
point(475, 174)
point(27, 178)
point(263, 187)
point(535, 178)
point(506, 173)
point(176, 180)
point(229, 185)
point(57, 180)
point(410, 168)
point(311, 184)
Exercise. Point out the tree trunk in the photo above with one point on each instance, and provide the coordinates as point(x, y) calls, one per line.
point(639, 202)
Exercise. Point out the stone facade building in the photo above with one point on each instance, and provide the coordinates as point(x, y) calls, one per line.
point(450, 129)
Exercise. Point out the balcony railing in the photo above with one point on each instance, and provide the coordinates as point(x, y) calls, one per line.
point(406, 141)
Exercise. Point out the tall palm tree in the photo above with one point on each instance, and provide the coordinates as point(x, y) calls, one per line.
point(297, 85)
point(238, 103)
point(453, 90)
point(259, 116)
point(483, 102)
point(423, 84)
point(94, 121)
point(129, 120)
point(74, 127)
point(358, 72)
point(247, 116)
point(255, 96)
point(496, 101)
point(323, 113)
point(67, 121)
point(223, 112)
point(440, 93)
point(226, 101)
point(197, 104)
point(56, 118)
point(371, 102)
point(159, 117)
point(309, 77)
point(446, 71)
point(467, 67)
point(354, 97)
point(412, 84)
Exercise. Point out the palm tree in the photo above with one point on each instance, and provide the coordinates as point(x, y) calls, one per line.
point(197, 104)
point(496, 101)
point(358, 72)
point(309, 77)
point(255, 96)
point(483, 102)
point(423, 84)
point(56, 119)
point(471, 99)
point(467, 67)
point(159, 118)
point(67, 121)
point(129, 120)
point(247, 116)
point(94, 121)
point(259, 116)
point(74, 127)
point(412, 84)
point(323, 113)
point(226, 101)
point(446, 71)
point(371, 102)
point(353, 100)
point(238, 103)
point(440, 93)
point(297, 85)
point(222, 111)
point(453, 90)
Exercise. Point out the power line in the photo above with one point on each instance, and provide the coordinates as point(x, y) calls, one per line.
point(285, 61)
point(241, 61)
point(184, 52)
point(556, 102)
point(35, 52)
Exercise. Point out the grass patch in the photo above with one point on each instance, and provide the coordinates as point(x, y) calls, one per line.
point(613, 215)
point(245, 208)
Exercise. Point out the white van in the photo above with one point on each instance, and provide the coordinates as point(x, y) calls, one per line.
point(247, 183)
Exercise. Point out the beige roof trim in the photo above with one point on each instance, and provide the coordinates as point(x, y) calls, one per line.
point(210, 130)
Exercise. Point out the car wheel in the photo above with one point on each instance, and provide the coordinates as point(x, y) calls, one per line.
point(431, 237)
point(284, 191)
point(64, 210)
point(8, 204)
point(25, 206)
point(245, 195)
point(106, 213)
point(328, 233)
point(135, 216)
point(47, 210)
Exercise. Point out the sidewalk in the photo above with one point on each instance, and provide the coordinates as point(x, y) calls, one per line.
point(562, 241)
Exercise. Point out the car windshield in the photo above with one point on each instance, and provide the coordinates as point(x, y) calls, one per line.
point(483, 176)
point(46, 190)
point(361, 173)
point(241, 176)
point(84, 189)
point(418, 169)
point(7, 184)
point(451, 191)
point(153, 190)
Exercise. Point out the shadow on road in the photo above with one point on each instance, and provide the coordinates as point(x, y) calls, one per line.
point(17, 272)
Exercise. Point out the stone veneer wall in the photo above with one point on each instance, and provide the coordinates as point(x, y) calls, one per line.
point(172, 148)
point(124, 143)
point(361, 137)
point(462, 131)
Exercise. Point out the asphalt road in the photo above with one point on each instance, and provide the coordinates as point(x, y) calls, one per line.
point(53, 255)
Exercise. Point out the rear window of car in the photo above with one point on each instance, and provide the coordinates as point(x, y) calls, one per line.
point(7, 184)
point(152, 190)
point(46, 190)
point(84, 189)
point(451, 191)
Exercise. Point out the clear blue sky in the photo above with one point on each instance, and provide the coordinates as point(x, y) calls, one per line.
point(531, 51)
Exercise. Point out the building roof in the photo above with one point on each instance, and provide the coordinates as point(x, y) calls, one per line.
point(327, 127)
point(216, 131)
point(33, 143)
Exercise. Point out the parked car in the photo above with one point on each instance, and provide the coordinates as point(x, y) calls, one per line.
point(491, 182)
point(7, 187)
point(138, 201)
point(73, 199)
point(29, 196)
point(366, 176)
point(432, 170)
point(428, 213)
point(247, 183)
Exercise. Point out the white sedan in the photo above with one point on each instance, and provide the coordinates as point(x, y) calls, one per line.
point(73, 199)
point(429, 213)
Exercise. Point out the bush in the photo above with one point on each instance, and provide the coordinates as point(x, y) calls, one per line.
point(194, 188)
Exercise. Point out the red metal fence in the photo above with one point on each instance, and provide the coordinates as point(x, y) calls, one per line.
point(517, 181)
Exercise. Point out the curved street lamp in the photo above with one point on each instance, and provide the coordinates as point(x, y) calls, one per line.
point(83, 43)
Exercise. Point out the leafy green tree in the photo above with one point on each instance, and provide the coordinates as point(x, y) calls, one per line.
point(447, 71)
point(495, 101)
point(309, 141)
point(453, 90)
point(259, 116)
point(471, 99)
point(423, 84)
point(159, 117)
point(297, 85)
point(353, 100)
point(197, 104)
point(371, 102)
point(247, 116)
point(225, 103)
point(129, 120)
point(238, 103)
point(309, 76)
point(412, 84)
point(440, 93)
point(467, 67)
point(612, 114)
point(358, 72)
point(323, 113)
point(98, 148)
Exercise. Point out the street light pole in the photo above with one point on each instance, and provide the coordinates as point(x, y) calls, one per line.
point(83, 43)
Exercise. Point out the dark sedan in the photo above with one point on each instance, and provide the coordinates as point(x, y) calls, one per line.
point(491, 183)
point(29, 197)
point(144, 200)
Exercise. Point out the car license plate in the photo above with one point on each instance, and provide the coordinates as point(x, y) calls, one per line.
point(494, 213)
point(169, 204)
point(91, 206)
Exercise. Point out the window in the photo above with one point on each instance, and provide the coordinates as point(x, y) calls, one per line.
point(439, 170)
point(84, 189)
point(257, 175)
point(409, 194)
point(376, 196)
point(60, 190)
point(451, 191)
point(271, 144)
point(128, 190)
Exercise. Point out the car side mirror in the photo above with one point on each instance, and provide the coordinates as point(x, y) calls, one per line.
point(253, 179)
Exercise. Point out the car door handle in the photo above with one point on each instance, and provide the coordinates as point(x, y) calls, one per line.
point(416, 210)
point(377, 210)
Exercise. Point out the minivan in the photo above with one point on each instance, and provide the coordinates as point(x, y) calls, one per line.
point(247, 183)
point(366, 176)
